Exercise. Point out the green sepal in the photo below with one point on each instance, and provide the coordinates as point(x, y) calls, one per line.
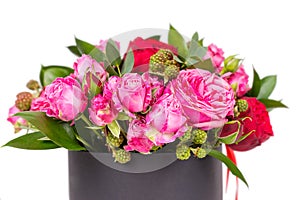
point(32, 141)
point(231, 166)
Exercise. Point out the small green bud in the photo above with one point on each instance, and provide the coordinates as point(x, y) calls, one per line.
point(242, 105)
point(187, 136)
point(171, 71)
point(199, 152)
point(231, 63)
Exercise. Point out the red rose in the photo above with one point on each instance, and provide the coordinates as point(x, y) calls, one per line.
point(143, 49)
point(256, 119)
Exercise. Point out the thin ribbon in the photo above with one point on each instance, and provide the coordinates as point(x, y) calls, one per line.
point(231, 156)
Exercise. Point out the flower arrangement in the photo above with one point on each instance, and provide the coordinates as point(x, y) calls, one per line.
point(156, 94)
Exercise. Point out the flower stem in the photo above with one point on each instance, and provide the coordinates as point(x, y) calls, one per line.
point(83, 117)
point(85, 143)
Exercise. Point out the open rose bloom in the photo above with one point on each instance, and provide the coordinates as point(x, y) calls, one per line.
point(142, 100)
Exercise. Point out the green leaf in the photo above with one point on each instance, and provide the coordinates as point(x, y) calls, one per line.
point(255, 85)
point(61, 133)
point(114, 128)
point(196, 50)
point(97, 55)
point(268, 84)
point(231, 166)
point(31, 141)
point(122, 116)
point(176, 39)
point(195, 36)
point(271, 104)
point(49, 73)
point(206, 65)
point(112, 53)
point(128, 63)
point(84, 47)
point(154, 37)
point(74, 50)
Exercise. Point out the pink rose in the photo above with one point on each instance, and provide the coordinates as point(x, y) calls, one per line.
point(166, 116)
point(40, 104)
point(65, 97)
point(17, 122)
point(206, 98)
point(86, 68)
point(102, 110)
point(136, 137)
point(239, 81)
point(132, 92)
point(103, 43)
point(216, 55)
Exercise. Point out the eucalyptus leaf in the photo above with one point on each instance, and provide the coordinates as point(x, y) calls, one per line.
point(231, 166)
point(61, 133)
point(196, 50)
point(74, 50)
point(268, 84)
point(195, 36)
point(128, 63)
point(49, 73)
point(176, 39)
point(206, 65)
point(32, 141)
point(112, 53)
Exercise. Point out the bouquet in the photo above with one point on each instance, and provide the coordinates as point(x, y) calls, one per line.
point(156, 95)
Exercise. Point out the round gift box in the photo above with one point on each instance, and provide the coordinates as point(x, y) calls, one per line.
point(193, 179)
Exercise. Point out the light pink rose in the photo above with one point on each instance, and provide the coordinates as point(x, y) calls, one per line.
point(102, 110)
point(238, 80)
point(103, 43)
point(136, 137)
point(166, 116)
point(216, 55)
point(65, 97)
point(206, 98)
point(16, 121)
point(133, 92)
point(87, 69)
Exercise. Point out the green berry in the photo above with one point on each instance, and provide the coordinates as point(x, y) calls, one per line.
point(201, 153)
point(172, 71)
point(113, 140)
point(23, 101)
point(183, 152)
point(199, 136)
point(158, 60)
point(187, 136)
point(242, 105)
point(33, 85)
point(122, 156)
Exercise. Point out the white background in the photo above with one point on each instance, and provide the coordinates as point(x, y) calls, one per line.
point(265, 33)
